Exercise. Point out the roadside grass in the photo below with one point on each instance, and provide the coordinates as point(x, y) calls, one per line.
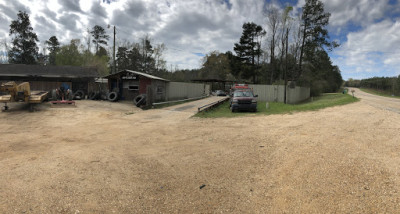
point(323, 101)
point(378, 92)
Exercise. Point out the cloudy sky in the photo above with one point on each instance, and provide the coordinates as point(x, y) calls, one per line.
point(368, 30)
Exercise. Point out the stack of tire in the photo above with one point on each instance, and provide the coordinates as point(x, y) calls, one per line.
point(98, 95)
point(140, 100)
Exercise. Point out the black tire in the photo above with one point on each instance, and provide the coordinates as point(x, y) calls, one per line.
point(70, 96)
point(140, 100)
point(136, 99)
point(53, 95)
point(112, 96)
point(79, 94)
point(93, 95)
point(31, 107)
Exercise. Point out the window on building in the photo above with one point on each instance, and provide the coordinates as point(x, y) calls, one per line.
point(160, 89)
point(133, 87)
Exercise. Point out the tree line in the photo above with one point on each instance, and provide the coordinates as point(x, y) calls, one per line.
point(389, 85)
point(290, 48)
point(140, 56)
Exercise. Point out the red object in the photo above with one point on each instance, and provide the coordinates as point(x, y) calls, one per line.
point(63, 102)
point(239, 87)
point(143, 83)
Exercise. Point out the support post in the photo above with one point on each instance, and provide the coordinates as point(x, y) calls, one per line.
point(115, 67)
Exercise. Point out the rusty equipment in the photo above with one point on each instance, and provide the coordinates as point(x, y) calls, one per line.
point(20, 93)
point(62, 96)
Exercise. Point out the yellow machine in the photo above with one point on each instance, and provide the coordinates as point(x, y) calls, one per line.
point(20, 93)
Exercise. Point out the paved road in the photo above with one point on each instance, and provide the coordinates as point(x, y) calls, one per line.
point(386, 103)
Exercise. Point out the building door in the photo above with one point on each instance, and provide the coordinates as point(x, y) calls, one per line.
point(79, 86)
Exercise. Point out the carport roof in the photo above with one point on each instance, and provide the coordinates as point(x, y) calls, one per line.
point(138, 73)
point(48, 71)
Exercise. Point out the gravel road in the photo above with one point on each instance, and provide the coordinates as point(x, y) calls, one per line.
point(103, 157)
point(385, 103)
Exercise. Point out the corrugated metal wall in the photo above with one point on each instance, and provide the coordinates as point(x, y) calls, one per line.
point(269, 93)
point(297, 94)
point(183, 90)
point(46, 85)
point(275, 93)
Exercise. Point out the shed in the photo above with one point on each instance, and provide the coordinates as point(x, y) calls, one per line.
point(48, 77)
point(130, 84)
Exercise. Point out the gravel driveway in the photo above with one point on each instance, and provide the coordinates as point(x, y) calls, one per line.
point(106, 157)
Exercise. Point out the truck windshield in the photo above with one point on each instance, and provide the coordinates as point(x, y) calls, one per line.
point(243, 94)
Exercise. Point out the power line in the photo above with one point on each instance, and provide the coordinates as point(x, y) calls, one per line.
point(169, 48)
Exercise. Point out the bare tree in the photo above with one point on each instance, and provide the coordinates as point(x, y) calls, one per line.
point(297, 41)
point(286, 27)
point(4, 49)
point(88, 39)
point(273, 24)
point(160, 63)
point(147, 54)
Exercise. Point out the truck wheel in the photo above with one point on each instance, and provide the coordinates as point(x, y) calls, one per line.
point(233, 110)
point(4, 108)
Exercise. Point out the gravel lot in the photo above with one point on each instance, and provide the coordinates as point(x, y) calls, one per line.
point(103, 157)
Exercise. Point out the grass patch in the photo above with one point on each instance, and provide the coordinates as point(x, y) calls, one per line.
point(323, 101)
point(378, 92)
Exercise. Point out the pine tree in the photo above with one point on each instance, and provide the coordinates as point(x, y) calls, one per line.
point(25, 49)
point(99, 36)
point(249, 48)
point(315, 35)
point(53, 47)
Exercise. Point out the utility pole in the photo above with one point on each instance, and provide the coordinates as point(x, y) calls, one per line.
point(286, 63)
point(115, 67)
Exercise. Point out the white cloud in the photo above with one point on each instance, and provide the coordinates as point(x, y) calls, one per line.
point(186, 27)
point(192, 26)
point(374, 50)
point(360, 12)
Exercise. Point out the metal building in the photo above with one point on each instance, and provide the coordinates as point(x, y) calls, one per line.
point(129, 84)
point(48, 77)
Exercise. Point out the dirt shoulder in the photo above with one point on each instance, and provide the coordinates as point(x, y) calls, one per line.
point(103, 158)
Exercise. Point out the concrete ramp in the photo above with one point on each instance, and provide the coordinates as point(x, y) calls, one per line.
point(173, 114)
point(194, 105)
